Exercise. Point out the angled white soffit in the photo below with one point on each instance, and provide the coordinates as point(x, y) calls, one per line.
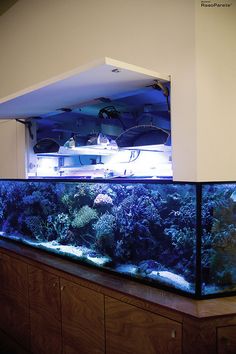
point(103, 78)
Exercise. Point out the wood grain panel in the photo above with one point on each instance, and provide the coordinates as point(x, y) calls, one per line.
point(44, 291)
point(14, 302)
point(8, 346)
point(45, 333)
point(226, 340)
point(45, 312)
point(82, 320)
point(14, 319)
point(155, 300)
point(14, 276)
point(130, 330)
point(199, 336)
point(141, 327)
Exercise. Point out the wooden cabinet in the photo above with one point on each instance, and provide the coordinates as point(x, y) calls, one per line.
point(130, 330)
point(54, 306)
point(7, 346)
point(226, 340)
point(82, 319)
point(45, 312)
point(69, 311)
point(14, 308)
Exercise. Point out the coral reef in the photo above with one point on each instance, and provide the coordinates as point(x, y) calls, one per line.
point(84, 217)
point(36, 225)
point(102, 202)
point(219, 235)
point(147, 230)
point(105, 231)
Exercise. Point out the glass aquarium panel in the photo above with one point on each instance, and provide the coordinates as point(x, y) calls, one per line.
point(218, 238)
point(146, 231)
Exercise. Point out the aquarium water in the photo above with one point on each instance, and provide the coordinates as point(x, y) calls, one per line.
point(148, 231)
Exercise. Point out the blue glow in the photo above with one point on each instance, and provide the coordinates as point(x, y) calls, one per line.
point(145, 230)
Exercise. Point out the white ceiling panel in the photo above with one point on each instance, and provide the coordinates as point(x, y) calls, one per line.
point(104, 78)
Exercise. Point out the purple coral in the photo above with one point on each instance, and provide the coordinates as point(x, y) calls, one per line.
point(103, 200)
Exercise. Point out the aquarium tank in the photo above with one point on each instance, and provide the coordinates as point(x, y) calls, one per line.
point(175, 236)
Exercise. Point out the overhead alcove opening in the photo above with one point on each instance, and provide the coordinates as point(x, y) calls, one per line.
point(106, 120)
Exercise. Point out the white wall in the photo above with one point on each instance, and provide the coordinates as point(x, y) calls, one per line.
point(43, 38)
point(12, 144)
point(195, 45)
point(216, 92)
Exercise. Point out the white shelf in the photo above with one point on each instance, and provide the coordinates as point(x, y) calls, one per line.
point(82, 150)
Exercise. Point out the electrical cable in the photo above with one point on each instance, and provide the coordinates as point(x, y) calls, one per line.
point(82, 164)
point(112, 113)
point(168, 103)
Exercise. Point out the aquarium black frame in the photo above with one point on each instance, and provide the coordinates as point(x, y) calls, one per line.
point(198, 295)
point(198, 272)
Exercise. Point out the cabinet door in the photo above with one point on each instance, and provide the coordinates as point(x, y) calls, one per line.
point(130, 330)
point(45, 313)
point(8, 346)
point(226, 340)
point(14, 301)
point(82, 319)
